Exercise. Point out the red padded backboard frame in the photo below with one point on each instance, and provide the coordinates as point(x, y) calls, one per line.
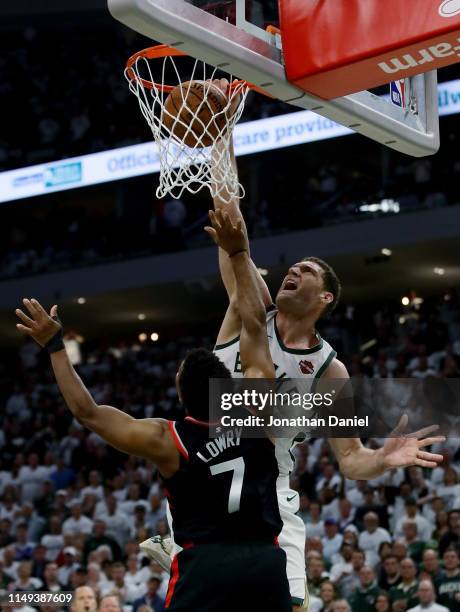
point(336, 47)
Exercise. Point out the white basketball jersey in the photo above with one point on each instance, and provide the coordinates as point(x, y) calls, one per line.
point(289, 363)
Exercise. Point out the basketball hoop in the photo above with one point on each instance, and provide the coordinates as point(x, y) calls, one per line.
point(208, 162)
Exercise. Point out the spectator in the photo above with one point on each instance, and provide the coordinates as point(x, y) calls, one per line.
point(371, 538)
point(117, 585)
point(69, 565)
point(99, 538)
point(383, 603)
point(315, 525)
point(330, 479)
point(110, 603)
point(94, 487)
point(94, 578)
point(117, 522)
point(151, 598)
point(450, 489)
point(50, 578)
point(23, 547)
point(430, 569)
point(348, 584)
point(316, 574)
point(424, 527)
point(54, 540)
point(25, 581)
point(327, 595)
point(63, 476)
point(371, 506)
point(84, 600)
point(343, 566)
point(390, 574)
point(407, 589)
point(31, 478)
point(341, 605)
point(364, 597)
point(452, 536)
point(35, 523)
point(414, 546)
point(77, 523)
point(6, 537)
point(346, 513)
point(134, 576)
point(39, 562)
point(448, 586)
point(332, 541)
point(156, 512)
point(427, 598)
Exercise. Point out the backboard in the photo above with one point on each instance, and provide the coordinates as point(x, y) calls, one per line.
point(231, 34)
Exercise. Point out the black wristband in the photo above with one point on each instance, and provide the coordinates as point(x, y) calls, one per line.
point(57, 341)
point(237, 252)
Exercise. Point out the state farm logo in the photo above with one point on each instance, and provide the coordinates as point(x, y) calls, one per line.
point(449, 8)
point(306, 367)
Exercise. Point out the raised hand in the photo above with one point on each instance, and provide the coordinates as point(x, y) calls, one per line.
point(404, 450)
point(40, 325)
point(229, 235)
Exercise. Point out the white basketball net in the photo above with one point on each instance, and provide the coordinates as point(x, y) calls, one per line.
point(183, 167)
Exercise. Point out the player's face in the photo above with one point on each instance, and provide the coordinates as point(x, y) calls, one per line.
point(302, 289)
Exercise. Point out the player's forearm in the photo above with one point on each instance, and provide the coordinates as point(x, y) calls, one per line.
point(233, 208)
point(76, 395)
point(248, 297)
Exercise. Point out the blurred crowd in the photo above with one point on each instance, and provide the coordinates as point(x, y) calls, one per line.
point(73, 510)
point(88, 232)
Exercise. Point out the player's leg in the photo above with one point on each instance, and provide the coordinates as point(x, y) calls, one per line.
point(162, 549)
point(292, 541)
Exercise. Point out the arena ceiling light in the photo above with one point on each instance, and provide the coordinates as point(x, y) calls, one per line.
point(405, 301)
point(439, 271)
point(141, 316)
point(81, 300)
point(154, 337)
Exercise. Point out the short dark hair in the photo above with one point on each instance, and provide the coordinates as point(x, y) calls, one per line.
point(197, 368)
point(331, 283)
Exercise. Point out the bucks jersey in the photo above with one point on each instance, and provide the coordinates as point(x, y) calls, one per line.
point(309, 364)
point(225, 488)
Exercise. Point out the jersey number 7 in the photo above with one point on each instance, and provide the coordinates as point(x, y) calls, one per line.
point(237, 467)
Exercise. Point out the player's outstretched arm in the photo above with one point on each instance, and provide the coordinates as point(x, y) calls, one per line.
point(254, 350)
point(232, 323)
point(399, 451)
point(148, 438)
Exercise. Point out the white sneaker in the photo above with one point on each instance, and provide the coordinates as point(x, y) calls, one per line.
point(159, 549)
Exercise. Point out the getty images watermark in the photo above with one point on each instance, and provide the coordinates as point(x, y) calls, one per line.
point(332, 408)
point(265, 409)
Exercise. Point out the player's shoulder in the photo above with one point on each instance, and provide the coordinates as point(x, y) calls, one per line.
point(336, 369)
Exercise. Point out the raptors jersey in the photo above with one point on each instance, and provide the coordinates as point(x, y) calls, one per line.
point(225, 489)
point(309, 364)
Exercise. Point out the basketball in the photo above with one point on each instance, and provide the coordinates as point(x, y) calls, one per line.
point(194, 107)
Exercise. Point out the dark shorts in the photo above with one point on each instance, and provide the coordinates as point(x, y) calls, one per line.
point(229, 578)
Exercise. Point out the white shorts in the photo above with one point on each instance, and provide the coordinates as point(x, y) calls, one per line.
point(292, 540)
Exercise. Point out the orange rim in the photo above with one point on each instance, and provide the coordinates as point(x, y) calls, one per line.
point(160, 51)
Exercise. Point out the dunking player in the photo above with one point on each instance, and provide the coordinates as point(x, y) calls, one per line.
point(224, 505)
point(309, 291)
